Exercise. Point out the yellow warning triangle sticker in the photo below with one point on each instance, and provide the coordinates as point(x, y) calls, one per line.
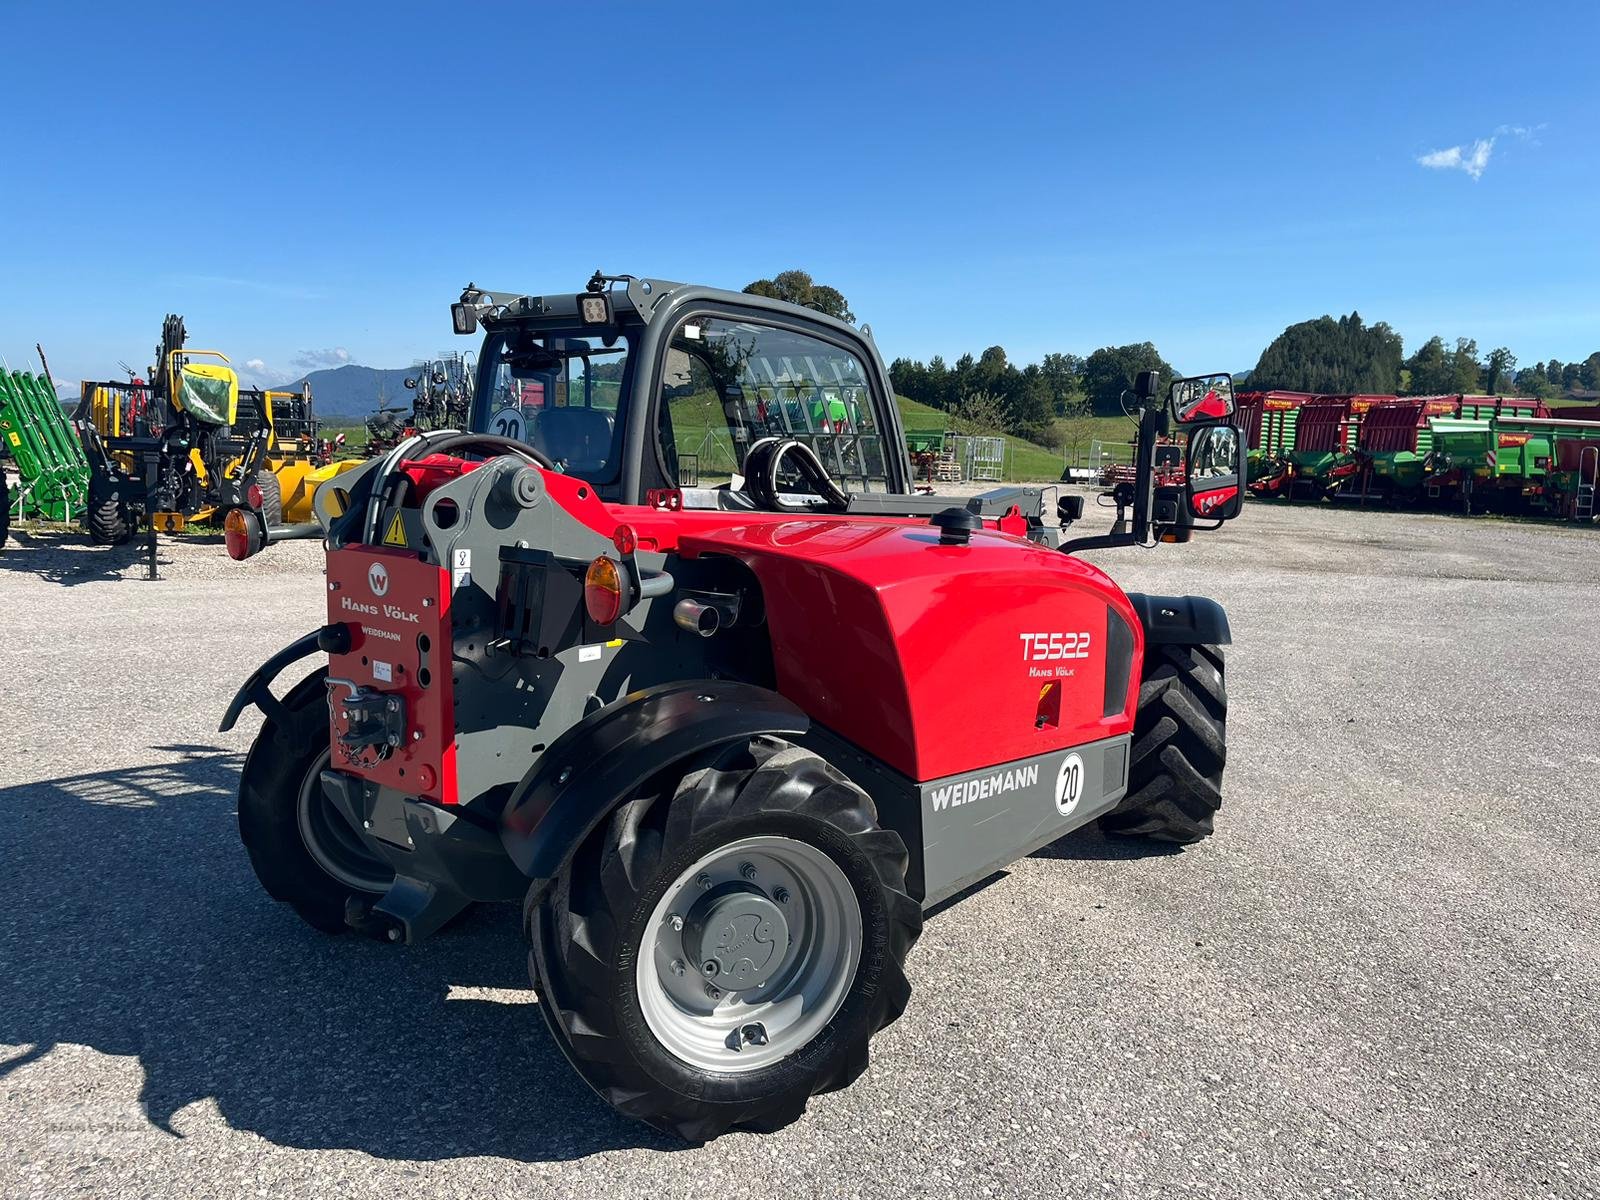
point(396, 535)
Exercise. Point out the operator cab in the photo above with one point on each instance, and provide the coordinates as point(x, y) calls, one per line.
point(729, 400)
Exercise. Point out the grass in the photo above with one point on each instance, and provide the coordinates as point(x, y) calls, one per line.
point(1026, 462)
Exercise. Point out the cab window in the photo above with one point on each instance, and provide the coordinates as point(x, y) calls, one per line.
point(561, 394)
point(727, 384)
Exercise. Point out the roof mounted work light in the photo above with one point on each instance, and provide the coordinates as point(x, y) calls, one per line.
point(464, 312)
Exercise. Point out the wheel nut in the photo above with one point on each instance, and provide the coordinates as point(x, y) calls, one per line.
point(748, 870)
point(713, 991)
point(702, 880)
point(677, 966)
point(781, 895)
point(711, 968)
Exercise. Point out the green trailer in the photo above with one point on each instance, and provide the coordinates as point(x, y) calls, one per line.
point(53, 475)
point(1516, 463)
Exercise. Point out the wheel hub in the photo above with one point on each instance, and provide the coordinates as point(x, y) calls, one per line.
point(737, 937)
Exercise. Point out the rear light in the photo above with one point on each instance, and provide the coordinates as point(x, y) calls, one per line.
point(241, 533)
point(625, 540)
point(602, 591)
point(253, 496)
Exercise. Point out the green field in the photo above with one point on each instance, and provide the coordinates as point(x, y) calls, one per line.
point(1026, 462)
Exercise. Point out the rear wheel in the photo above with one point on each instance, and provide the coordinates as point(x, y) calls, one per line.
point(1179, 747)
point(303, 850)
point(727, 946)
point(271, 498)
point(109, 521)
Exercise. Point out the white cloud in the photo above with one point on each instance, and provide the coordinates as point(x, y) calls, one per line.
point(256, 365)
point(313, 360)
point(1472, 159)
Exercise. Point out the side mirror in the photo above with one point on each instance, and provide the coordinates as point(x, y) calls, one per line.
point(1211, 473)
point(1202, 398)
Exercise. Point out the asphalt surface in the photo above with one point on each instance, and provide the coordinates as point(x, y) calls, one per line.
point(1381, 977)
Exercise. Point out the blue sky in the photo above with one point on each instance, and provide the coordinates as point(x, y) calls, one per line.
point(301, 180)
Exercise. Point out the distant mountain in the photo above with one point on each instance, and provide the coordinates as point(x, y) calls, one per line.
point(350, 392)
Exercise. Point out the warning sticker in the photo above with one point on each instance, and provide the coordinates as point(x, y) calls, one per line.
point(395, 535)
point(382, 671)
point(588, 653)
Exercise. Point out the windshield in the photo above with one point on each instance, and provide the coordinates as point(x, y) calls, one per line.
point(558, 392)
point(729, 384)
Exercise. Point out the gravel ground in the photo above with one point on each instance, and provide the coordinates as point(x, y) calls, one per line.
point(1382, 977)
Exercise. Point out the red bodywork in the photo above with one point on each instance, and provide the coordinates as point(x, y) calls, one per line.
point(936, 659)
point(399, 617)
point(1393, 424)
point(915, 651)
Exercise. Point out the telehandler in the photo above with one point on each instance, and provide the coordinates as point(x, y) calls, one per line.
point(726, 742)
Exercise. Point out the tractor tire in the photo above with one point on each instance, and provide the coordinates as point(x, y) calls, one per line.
point(762, 843)
point(110, 523)
point(302, 850)
point(271, 498)
point(1179, 748)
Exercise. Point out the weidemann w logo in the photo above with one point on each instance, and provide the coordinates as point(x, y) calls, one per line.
point(968, 790)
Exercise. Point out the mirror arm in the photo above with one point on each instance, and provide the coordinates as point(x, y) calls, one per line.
point(1152, 423)
point(1099, 541)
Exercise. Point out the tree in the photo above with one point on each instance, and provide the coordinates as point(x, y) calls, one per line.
point(1340, 355)
point(1077, 428)
point(1570, 376)
point(1501, 368)
point(1589, 373)
point(1432, 372)
point(1552, 372)
point(1466, 370)
point(979, 412)
point(1532, 381)
point(1029, 413)
point(1110, 371)
point(797, 287)
point(1063, 380)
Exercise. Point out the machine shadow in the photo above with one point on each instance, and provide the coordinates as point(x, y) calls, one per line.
point(69, 559)
point(1091, 843)
point(136, 928)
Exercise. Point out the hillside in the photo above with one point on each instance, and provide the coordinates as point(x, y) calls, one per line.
point(351, 392)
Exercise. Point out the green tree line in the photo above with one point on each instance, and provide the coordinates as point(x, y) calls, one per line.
point(1042, 401)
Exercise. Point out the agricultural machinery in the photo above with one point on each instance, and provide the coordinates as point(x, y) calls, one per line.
point(1399, 449)
point(1516, 462)
point(52, 474)
point(702, 683)
point(191, 445)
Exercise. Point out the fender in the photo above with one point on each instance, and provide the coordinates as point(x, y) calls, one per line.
point(257, 690)
point(604, 758)
point(1181, 620)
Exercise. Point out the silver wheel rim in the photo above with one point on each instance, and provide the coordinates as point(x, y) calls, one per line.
point(807, 905)
point(330, 841)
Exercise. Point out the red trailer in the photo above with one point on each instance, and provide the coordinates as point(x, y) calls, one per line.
point(1269, 420)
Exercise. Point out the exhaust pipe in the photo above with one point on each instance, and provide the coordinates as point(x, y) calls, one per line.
point(695, 617)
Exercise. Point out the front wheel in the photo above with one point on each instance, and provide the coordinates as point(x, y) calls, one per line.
point(1179, 747)
point(727, 946)
point(303, 850)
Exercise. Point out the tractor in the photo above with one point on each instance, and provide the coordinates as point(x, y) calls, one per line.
point(705, 685)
